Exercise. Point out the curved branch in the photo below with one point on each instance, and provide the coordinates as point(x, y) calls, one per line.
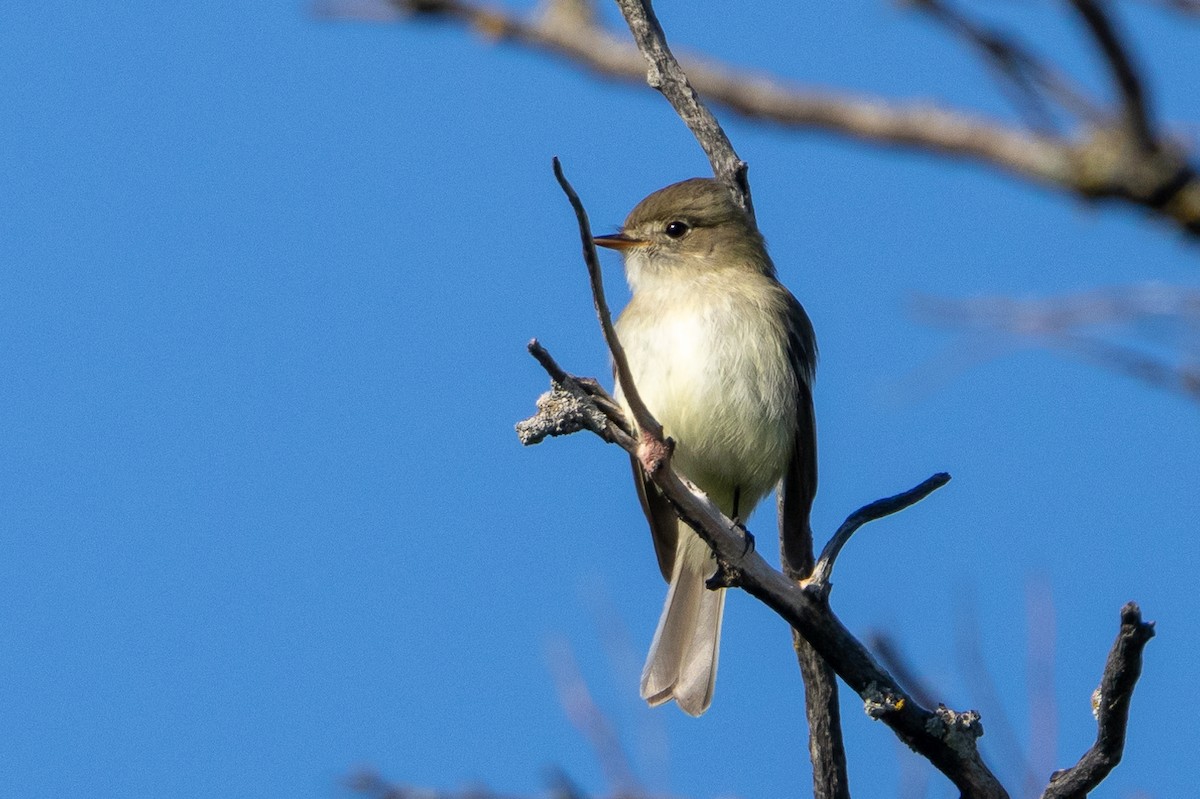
point(819, 580)
point(1088, 165)
point(646, 423)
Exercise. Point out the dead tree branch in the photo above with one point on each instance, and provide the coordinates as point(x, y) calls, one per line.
point(1093, 162)
point(668, 77)
point(1110, 704)
point(592, 723)
point(819, 581)
point(1150, 332)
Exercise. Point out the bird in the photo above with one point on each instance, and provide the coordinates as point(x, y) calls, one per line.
point(724, 358)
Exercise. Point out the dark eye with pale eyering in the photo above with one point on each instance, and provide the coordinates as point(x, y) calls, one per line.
point(676, 229)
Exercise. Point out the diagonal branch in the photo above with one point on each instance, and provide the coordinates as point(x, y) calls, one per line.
point(641, 414)
point(1036, 84)
point(668, 77)
point(1110, 704)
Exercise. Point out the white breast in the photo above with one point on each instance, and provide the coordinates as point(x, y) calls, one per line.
point(711, 363)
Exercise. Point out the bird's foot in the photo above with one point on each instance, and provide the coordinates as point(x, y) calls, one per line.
point(746, 534)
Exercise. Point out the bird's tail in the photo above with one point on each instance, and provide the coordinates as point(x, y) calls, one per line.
point(682, 664)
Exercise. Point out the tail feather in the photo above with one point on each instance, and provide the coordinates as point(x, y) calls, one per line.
point(682, 664)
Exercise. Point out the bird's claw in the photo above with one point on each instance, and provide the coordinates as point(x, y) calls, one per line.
point(747, 535)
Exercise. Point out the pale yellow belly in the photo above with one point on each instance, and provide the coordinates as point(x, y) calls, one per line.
point(722, 388)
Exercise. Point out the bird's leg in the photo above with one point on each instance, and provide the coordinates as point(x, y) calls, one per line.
point(737, 500)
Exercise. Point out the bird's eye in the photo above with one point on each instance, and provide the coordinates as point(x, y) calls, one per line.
point(676, 229)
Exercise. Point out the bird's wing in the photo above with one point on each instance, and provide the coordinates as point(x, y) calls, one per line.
point(664, 523)
point(799, 486)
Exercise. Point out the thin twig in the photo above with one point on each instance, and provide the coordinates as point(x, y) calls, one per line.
point(819, 581)
point(1135, 106)
point(586, 716)
point(1111, 707)
point(983, 693)
point(1028, 74)
point(646, 422)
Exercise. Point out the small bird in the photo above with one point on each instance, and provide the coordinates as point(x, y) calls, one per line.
point(724, 357)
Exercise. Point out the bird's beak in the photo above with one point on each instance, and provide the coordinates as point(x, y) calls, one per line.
point(617, 241)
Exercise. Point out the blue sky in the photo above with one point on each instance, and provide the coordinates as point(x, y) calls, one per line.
point(267, 283)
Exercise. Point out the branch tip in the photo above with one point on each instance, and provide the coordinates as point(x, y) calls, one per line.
point(818, 583)
point(1110, 705)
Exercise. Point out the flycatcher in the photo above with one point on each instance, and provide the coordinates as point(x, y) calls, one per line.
point(723, 356)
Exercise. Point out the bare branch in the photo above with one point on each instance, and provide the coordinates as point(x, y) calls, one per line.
point(1110, 704)
point(1136, 113)
point(587, 717)
point(650, 429)
point(819, 581)
point(571, 405)
point(668, 77)
point(1103, 327)
point(1030, 76)
point(1092, 165)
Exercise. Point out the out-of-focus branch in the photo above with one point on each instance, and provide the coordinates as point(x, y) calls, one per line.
point(1004, 747)
point(1038, 86)
point(1110, 328)
point(587, 717)
point(1110, 704)
point(371, 785)
point(1135, 111)
point(1093, 162)
point(1190, 7)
